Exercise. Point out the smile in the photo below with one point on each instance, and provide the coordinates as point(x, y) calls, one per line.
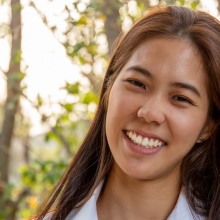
point(144, 141)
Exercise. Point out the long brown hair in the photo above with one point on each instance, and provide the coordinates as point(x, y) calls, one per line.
point(200, 167)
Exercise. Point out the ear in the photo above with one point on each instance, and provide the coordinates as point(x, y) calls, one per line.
point(207, 131)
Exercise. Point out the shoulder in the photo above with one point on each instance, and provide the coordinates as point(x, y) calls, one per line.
point(183, 210)
point(85, 212)
point(71, 216)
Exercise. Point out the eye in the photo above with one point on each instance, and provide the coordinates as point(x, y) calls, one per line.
point(137, 83)
point(181, 99)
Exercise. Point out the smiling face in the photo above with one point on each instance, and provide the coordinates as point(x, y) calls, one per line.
point(161, 94)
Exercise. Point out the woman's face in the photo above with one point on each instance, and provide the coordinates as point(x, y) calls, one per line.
point(159, 95)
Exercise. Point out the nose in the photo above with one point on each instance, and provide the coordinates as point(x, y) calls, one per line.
point(152, 111)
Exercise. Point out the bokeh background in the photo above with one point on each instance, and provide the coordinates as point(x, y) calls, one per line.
point(53, 57)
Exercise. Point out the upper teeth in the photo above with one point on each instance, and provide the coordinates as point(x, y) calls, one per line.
point(144, 141)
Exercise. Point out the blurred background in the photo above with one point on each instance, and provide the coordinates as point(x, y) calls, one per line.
point(53, 57)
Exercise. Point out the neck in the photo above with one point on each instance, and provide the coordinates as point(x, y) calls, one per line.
point(127, 198)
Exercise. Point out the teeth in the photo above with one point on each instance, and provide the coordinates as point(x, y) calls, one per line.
point(156, 143)
point(133, 137)
point(145, 142)
point(151, 143)
point(130, 134)
point(138, 140)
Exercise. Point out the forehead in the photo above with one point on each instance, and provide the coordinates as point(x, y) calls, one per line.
point(170, 59)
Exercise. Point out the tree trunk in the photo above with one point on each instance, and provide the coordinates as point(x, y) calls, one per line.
point(218, 6)
point(13, 84)
point(112, 29)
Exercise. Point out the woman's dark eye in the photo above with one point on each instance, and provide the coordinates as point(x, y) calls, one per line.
point(181, 99)
point(137, 83)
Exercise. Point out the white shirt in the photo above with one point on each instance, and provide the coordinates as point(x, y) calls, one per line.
point(88, 211)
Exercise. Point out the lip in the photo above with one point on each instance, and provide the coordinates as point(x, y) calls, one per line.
point(148, 135)
point(141, 150)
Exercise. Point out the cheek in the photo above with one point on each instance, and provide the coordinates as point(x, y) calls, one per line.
point(121, 111)
point(121, 108)
point(186, 127)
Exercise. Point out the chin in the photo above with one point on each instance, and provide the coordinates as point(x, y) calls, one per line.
point(136, 172)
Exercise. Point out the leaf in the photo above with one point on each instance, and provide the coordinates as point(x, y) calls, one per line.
point(2, 2)
point(182, 2)
point(68, 107)
point(50, 136)
point(194, 4)
point(72, 88)
point(81, 21)
point(16, 76)
point(2, 215)
point(78, 46)
point(92, 5)
point(39, 100)
point(82, 61)
point(92, 49)
point(8, 192)
point(90, 97)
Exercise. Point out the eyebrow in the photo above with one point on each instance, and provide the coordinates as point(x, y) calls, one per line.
point(186, 86)
point(141, 70)
point(175, 84)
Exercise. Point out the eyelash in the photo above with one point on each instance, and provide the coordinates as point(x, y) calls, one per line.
point(183, 99)
point(135, 83)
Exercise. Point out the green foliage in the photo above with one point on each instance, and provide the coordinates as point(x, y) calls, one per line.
point(194, 4)
point(72, 88)
point(8, 192)
point(90, 97)
point(52, 169)
point(39, 100)
point(49, 136)
point(182, 2)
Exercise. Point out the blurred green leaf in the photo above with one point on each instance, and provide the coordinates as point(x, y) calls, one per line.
point(81, 21)
point(39, 100)
point(2, 215)
point(68, 107)
point(72, 88)
point(90, 97)
point(82, 61)
point(16, 76)
point(92, 5)
point(194, 5)
point(182, 2)
point(8, 192)
point(52, 136)
point(92, 49)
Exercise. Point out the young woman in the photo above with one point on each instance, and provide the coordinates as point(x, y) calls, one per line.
point(153, 149)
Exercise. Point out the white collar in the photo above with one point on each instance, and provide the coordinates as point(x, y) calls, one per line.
point(88, 210)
